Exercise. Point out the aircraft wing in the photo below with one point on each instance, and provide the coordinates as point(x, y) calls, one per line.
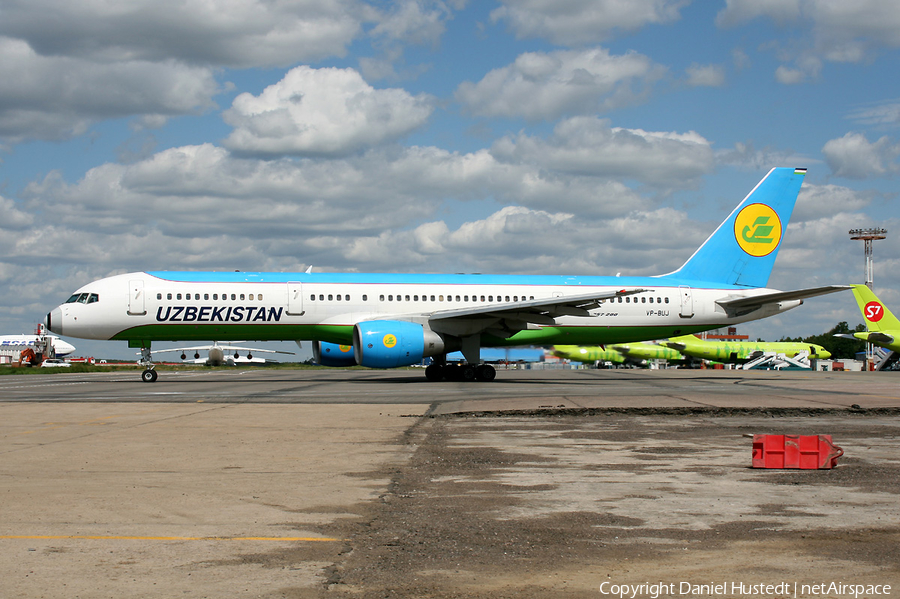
point(222, 347)
point(536, 311)
point(872, 337)
point(746, 304)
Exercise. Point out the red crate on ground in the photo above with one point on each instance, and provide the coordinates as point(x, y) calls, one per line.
point(809, 452)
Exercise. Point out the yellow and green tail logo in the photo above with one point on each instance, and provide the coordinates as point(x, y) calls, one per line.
point(757, 230)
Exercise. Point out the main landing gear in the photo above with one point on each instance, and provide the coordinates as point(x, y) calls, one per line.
point(149, 375)
point(460, 372)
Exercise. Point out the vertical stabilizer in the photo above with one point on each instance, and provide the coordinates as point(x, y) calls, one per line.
point(877, 316)
point(742, 250)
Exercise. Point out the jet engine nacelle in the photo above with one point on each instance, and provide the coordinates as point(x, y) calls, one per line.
point(392, 343)
point(332, 354)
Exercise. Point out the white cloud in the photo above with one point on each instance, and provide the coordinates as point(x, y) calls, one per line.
point(854, 157)
point(834, 31)
point(548, 85)
point(233, 33)
point(745, 155)
point(789, 76)
point(710, 75)
point(589, 146)
point(816, 202)
point(577, 22)
point(412, 21)
point(322, 112)
point(737, 12)
point(57, 97)
point(883, 113)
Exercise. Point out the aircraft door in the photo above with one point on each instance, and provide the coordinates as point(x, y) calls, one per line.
point(295, 299)
point(687, 302)
point(136, 305)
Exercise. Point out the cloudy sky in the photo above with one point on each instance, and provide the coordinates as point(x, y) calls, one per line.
point(505, 136)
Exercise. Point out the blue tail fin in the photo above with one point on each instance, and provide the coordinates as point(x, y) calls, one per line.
point(742, 250)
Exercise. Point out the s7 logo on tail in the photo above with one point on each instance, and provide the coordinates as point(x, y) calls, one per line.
point(873, 311)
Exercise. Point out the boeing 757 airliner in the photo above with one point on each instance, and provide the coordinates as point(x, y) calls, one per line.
point(392, 320)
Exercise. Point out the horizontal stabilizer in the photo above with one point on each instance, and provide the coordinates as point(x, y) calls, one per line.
point(756, 301)
point(871, 337)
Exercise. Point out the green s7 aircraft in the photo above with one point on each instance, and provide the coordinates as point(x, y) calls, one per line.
point(648, 351)
point(587, 355)
point(742, 351)
point(632, 353)
point(884, 328)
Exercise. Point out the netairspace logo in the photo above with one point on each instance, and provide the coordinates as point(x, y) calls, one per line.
point(742, 589)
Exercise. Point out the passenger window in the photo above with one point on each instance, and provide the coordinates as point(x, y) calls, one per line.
point(643, 300)
point(330, 297)
point(432, 298)
point(482, 298)
point(168, 296)
point(178, 296)
point(407, 298)
point(667, 300)
point(390, 298)
point(338, 297)
point(627, 300)
point(159, 296)
point(259, 296)
point(215, 296)
point(205, 296)
point(321, 297)
point(380, 298)
point(233, 297)
point(506, 299)
point(346, 298)
point(312, 297)
point(251, 297)
point(365, 297)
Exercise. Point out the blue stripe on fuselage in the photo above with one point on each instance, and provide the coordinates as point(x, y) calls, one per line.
point(426, 279)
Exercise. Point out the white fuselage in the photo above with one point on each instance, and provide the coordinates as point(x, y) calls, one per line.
point(273, 306)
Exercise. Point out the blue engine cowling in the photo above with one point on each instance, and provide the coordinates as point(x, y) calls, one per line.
point(332, 354)
point(393, 343)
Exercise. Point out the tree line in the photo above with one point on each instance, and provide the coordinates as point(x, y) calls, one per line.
point(840, 347)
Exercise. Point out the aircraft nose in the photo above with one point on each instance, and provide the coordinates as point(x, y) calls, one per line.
point(53, 322)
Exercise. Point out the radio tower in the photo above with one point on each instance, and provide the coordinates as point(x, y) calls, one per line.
point(868, 236)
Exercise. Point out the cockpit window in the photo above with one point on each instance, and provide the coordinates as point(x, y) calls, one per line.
point(83, 298)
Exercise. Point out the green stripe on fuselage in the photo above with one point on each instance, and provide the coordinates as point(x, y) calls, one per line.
point(343, 334)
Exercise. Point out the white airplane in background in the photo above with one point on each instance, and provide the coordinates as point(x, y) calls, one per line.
point(392, 320)
point(223, 354)
point(22, 342)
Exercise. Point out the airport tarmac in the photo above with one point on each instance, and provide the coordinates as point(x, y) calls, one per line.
point(332, 483)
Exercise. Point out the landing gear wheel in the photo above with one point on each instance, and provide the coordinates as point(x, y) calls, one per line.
point(485, 372)
point(149, 376)
point(468, 373)
point(434, 372)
